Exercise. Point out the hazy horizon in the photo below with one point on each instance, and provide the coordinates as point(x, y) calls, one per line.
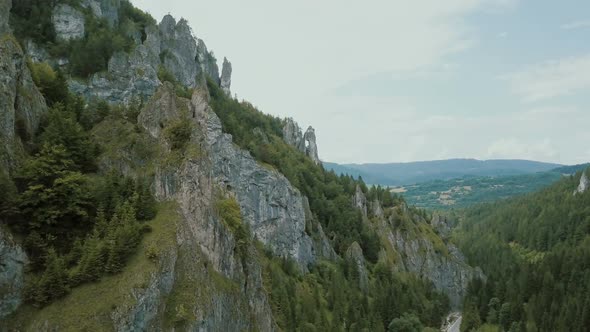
point(392, 81)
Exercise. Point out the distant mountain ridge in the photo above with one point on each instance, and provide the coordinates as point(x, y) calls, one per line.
point(423, 171)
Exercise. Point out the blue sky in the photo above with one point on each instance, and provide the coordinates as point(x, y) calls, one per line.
point(390, 81)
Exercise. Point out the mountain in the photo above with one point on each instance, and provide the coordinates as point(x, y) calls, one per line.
point(138, 195)
point(534, 251)
point(423, 171)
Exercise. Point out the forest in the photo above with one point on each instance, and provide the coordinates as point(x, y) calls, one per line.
point(535, 252)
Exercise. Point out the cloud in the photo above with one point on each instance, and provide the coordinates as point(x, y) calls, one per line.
point(551, 79)
point(576, 25)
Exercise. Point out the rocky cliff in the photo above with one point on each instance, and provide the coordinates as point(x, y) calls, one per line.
point(13, 260)
point(194, 271)
point(21, 103)
point(414, 245)
point(584, 184)
point(305, 143)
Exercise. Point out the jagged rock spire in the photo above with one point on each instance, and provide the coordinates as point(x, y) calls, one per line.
point(584, 184)
point(311, 149)
point(305, 143)
point(226, 77)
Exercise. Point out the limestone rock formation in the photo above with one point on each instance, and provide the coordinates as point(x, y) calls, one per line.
point(270, 205)
point(5, 6)
point(354, 254)
point(305, 143)
point(226, 77)
point(207, 61)
point(442, 225)
point(21, 103)
point(68, 22)
point(311, 148)
point(292, 134)
point(12, 263)
point(107, 9)
point(359, 200)
point(36, 53)
point(179, 50)
point(584, 184)
point(170, 46)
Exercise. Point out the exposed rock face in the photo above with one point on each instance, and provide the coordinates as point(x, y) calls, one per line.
point(376, 209)
point(179, 50)
point(359, 200)
point(129, 76)
point(5, 6)
point(68, 22)
point(292, 134)
point(270, 205)
point(206, 248)
point(36, 53)
point(13, 260)
point(442, 225)
point(584, 184)
point(108, 9)
point(207, 61)
point(133, 76)
point(354, 254)
point(311, 146)
point(21, 103)
point(442, 263)
point(226, 77)
point(304, 143)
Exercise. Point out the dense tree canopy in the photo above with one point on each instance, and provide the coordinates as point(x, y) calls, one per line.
point(535, 251)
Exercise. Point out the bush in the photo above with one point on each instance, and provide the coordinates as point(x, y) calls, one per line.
point(52, 84)
point(179, 134)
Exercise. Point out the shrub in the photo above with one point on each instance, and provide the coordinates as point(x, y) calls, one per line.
point(179, 134)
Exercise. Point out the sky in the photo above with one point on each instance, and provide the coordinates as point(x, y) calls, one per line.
point(400, 81)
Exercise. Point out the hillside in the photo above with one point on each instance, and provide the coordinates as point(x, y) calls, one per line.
point(393, 174)
point(535, 252)
point(139, 195)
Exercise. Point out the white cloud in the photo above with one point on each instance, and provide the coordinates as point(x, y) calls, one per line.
point(551, 79)
point(576, 25)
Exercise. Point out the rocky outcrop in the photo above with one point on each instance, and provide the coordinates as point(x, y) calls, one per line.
point(12, 263)
point(412, 245)
point(205, 252)
point(207, 62)
point(311, 149)
point(179, 50)
point(36, 53)
point(354, 254)
point(293, 136)
point(21, 103)
point(226, 77)
point(107, 9)
point(129, 76)
point(442, 225)
point(5, 6)
point(69, 23)
point(270, 205)
point(170, 46)
point(360, 201)
point(584, 184)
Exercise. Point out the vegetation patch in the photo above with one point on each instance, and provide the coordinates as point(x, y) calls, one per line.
point(90, 305)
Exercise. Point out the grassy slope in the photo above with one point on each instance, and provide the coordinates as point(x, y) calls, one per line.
point(88, 307)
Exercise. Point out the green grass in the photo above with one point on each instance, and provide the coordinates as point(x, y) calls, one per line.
point(89, 306)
